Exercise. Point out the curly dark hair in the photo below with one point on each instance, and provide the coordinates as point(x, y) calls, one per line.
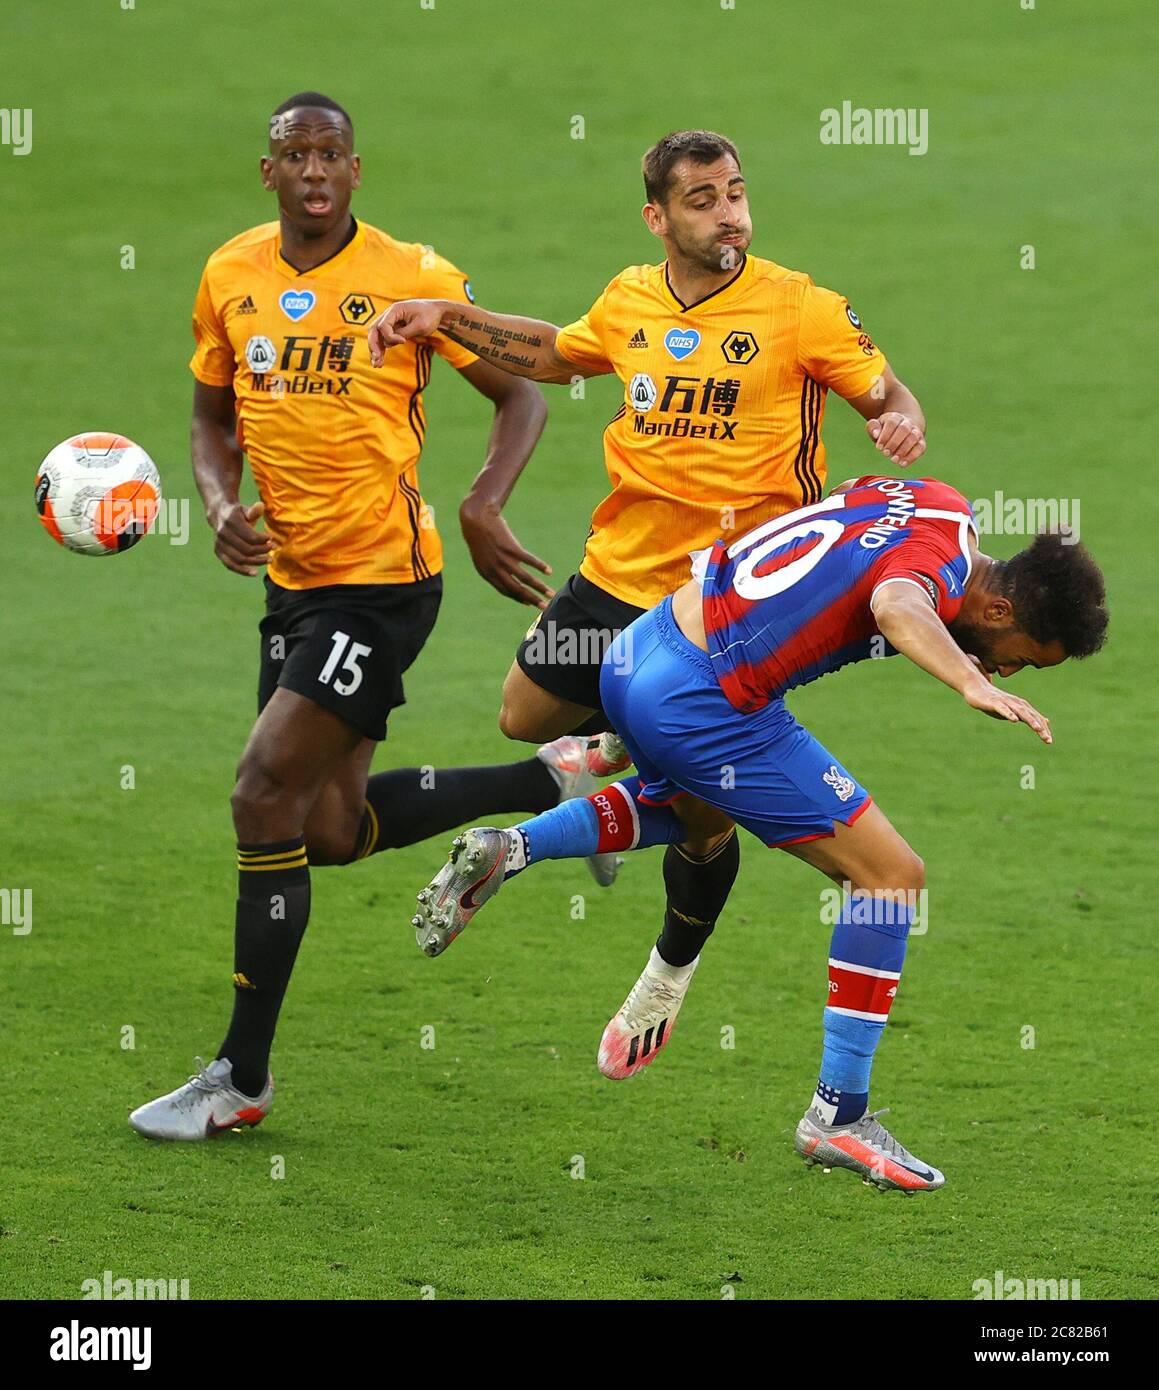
point(1057, 592)
point(701, 146)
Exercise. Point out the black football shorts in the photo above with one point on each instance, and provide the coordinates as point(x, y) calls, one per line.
point(563, 650)
point(345, 646)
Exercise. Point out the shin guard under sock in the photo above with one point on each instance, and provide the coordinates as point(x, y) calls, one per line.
point(698, 888)
point(273, 907)
point(865, 961)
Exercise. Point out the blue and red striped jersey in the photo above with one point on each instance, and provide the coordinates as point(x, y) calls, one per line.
point(789, 601)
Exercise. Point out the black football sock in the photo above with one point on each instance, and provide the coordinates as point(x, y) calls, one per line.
point(698, 887)
point(409, 804)
point(273, 907)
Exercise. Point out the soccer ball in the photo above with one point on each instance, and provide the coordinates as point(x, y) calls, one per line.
point(97, 493)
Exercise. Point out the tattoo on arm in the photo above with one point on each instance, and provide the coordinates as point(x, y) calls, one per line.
point(500, 340)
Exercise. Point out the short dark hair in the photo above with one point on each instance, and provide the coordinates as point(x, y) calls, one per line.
point(1057, 592)
point(701, 146)
point(323, 103)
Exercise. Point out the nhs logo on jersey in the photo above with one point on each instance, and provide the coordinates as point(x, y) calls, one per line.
point(681, 342)
point(296, 304)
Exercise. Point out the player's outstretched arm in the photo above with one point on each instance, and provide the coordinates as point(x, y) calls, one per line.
point(524, 347)
point(217, 469)
point(906, 619)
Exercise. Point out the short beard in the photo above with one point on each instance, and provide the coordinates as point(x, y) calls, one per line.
point(972, 639)
point(713, 258)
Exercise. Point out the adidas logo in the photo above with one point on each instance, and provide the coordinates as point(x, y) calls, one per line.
point(247, 306)
point(638, 339)
point(634, 1050)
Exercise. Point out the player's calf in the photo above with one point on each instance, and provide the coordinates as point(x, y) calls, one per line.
point(294, 750)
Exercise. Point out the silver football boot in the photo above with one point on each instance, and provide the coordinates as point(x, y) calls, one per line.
point(208, 1104)
point(868, 1149)
point(473, 874)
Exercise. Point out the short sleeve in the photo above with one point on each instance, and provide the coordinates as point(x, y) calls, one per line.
point(440, 279)
point(213, 361)
point(584, 341)
point(932, 559)
point(833, 347)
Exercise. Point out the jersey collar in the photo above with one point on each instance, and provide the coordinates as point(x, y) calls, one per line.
point(688, 308)
point(355, 239)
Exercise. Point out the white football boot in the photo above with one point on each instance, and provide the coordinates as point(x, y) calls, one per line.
point(471, 876)
point(206, 1105)
point(868, 1149)
point(644, 1023)
point(566, 760)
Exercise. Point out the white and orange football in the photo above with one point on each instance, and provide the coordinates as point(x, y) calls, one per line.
point(97, 493)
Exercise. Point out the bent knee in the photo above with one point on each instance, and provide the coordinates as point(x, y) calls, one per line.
point(919, 872)
point(909, 874)
point(257, 788)
point(704, 846)
point(512, 724)
point(903, 872)
point(265, 805)
point(707, 825)
point(524, 726)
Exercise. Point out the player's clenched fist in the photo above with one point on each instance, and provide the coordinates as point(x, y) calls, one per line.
point(409, 318)
point(898, 437)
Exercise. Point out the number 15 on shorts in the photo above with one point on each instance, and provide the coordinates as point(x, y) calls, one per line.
point(350, 654)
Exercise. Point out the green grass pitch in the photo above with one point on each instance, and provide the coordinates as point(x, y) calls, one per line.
point(408, 1168)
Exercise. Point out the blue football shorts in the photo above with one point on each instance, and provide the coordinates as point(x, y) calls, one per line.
point(763, 770)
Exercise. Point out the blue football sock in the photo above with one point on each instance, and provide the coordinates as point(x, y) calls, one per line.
point(865, 960)
point(608, 820)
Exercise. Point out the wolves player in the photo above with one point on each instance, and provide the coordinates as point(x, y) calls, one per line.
point(354, 580)
point(726, 361)
point(697, 685)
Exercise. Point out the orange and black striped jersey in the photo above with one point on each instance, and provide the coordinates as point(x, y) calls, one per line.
point(721, 423)
point(333, 444)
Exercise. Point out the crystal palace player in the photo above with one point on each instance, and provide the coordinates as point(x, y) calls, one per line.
point(697, 685)
point(354, 564)
point(726, 360)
